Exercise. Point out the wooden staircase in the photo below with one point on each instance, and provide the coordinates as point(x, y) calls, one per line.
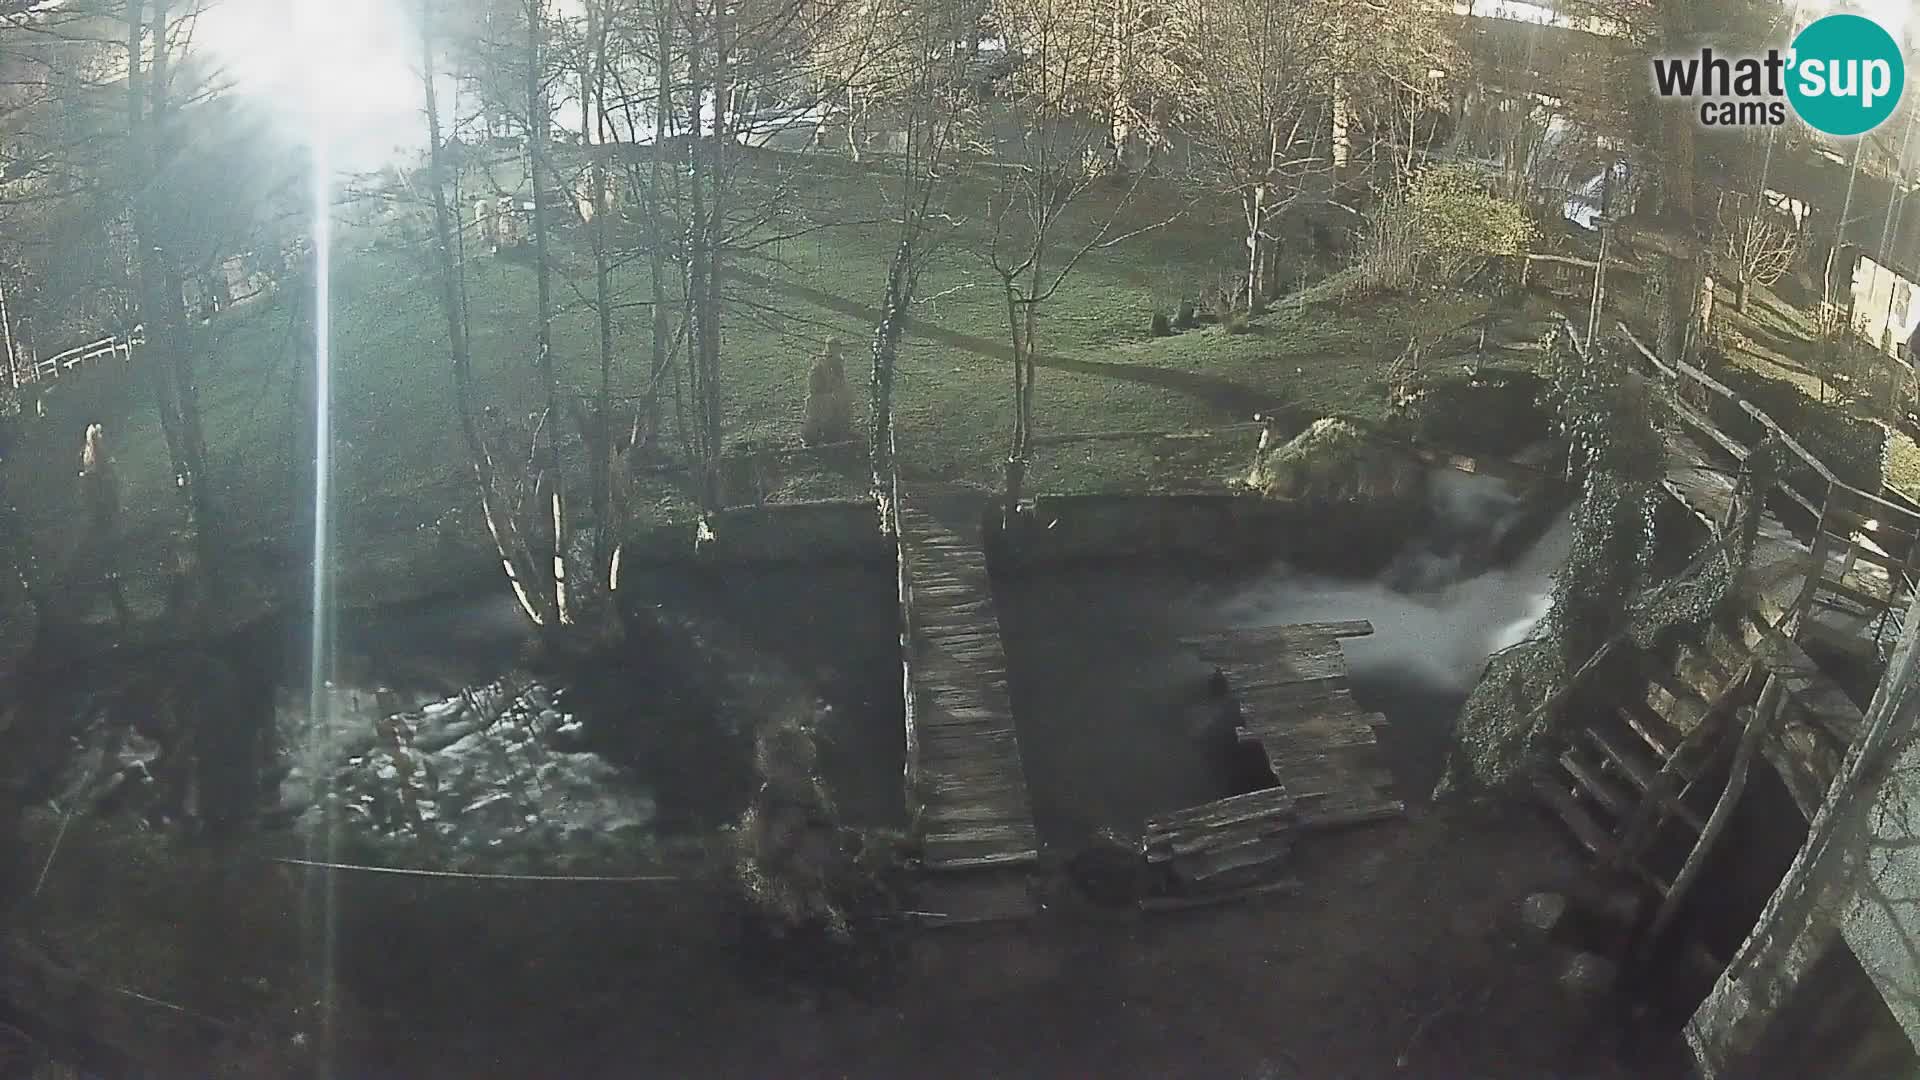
point(1606, 783)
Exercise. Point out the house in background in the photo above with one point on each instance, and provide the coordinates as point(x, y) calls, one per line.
point(1883, 306)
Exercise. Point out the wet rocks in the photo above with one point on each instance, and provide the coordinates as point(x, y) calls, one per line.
point(1335, 471)
point(1499, 733)
point(492, 771)
point(1588, 974)
point(1541, 913)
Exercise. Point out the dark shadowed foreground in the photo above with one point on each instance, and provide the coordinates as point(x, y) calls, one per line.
point(1404, 947)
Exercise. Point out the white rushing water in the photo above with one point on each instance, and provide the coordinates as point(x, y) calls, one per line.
point(1433, 627)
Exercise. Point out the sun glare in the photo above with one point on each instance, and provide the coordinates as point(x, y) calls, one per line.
point(341, 70)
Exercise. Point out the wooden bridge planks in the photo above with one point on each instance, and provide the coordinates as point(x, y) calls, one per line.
point(1290, 683)
point(1777, 572)
point(974, 812)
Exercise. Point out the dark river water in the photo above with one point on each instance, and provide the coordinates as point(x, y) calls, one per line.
point(658, 738)
point(1102, 687)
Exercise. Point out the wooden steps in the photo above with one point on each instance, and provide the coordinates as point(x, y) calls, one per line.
point(1597, 839)
point(1682, 709)
point(1614, 799)
point(1661, 737)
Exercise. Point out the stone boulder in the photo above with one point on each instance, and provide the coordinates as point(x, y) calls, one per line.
point(1334, 463)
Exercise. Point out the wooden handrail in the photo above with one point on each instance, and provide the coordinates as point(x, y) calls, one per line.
point(1683, 370)
point(52, 366)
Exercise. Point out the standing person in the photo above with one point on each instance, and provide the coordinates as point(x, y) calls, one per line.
point(100, 493)
point(98, 487)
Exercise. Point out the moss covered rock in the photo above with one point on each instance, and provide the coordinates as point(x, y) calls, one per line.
point(1336, 462)
point(1498, 736)
point(1357, 497)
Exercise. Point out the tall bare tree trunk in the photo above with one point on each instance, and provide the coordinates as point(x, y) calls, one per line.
point(161, 307)
point(505, 536)
point(1119, 130)
point(718, 175)
point(886, 352)
point(550, 478)
point(1340, 111)
point(853, 126)
point(700, 310)
point(593, 72)
point(1016, 446)
point(1256, 205)
point(1681, 324)
point(656, 209)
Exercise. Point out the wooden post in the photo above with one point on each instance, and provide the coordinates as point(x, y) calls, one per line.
point(1803, 918)
point(6, 337)
point(1759, 720)
point(1599, 283)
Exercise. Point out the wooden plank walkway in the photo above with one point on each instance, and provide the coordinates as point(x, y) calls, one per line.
point(1290, 684)
point(963, 756)
point(1778, 571)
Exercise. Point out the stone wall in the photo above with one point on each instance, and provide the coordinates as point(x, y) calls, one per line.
point(1217, 529)
point(836, 531)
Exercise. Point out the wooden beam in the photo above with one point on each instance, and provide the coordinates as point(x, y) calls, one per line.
point(1343, 629)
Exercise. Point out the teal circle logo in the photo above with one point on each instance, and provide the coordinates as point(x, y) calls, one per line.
point(1845, 74)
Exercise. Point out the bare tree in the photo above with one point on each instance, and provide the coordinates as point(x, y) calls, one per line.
point(151, 109)
point(1758, 245)
point(591, 49)
point(1060, 158)
point(925, 78)
point(1252, 112)
point(549, 485)
point(509, 543)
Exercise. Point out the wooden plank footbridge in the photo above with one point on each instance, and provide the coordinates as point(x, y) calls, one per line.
point(967, 787)
point(965, 782)
point(1289, 685)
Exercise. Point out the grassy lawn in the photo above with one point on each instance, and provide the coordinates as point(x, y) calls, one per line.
point(400, 462)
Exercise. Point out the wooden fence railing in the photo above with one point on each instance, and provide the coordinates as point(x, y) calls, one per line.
point(25, 372)
point(1850, 525)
